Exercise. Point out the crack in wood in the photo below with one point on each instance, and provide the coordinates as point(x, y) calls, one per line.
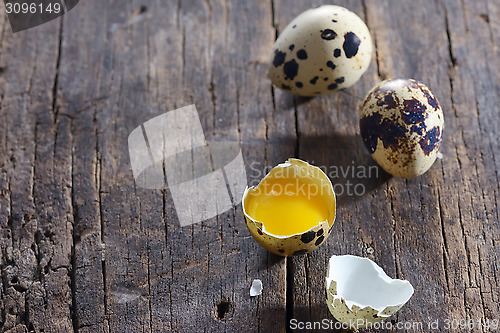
point(445, 243)
point(76, 239)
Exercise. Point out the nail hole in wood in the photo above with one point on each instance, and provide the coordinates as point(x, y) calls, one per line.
point(222, 310)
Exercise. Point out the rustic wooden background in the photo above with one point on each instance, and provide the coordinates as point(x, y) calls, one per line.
point(84, 250)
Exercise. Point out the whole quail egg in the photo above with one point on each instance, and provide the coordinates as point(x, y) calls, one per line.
point(322, 50)
point(402, 125)
point(292, 210)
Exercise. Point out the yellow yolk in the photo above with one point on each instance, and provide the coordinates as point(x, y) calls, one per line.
point(287, 206)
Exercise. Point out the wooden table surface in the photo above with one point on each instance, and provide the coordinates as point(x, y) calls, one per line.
point(83, 249)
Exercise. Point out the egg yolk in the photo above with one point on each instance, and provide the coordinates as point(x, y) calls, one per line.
point(287, 206)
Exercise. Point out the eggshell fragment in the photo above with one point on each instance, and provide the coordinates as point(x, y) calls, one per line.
point(322, 50)
point(256, 288)
point(300, 243)
point(360, 293)
point(401, 124)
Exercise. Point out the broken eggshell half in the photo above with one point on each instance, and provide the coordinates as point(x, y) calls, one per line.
point(274, 199)
point(360, 293)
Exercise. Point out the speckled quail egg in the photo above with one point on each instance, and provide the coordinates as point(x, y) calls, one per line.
point(292, 210)
point(402, 125)
point(322, 50)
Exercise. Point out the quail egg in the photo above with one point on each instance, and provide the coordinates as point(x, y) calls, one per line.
point(292, 210)
point(322, 50)
point(402, 125)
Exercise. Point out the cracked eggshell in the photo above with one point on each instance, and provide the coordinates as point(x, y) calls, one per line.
point(322, 50)
point(256, 288)
point(359, 292)
point(298, 244)
point(402, 126)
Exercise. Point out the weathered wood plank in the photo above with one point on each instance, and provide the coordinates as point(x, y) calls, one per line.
point(150, 287)
point(328, 137)
point(391, 227)
point(36, 211)
point(211, 264)
point(474, 81)
point(84, 77)
point(83, 249)
point(415, 203)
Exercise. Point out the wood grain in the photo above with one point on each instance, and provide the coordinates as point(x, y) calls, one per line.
point(82, 249)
